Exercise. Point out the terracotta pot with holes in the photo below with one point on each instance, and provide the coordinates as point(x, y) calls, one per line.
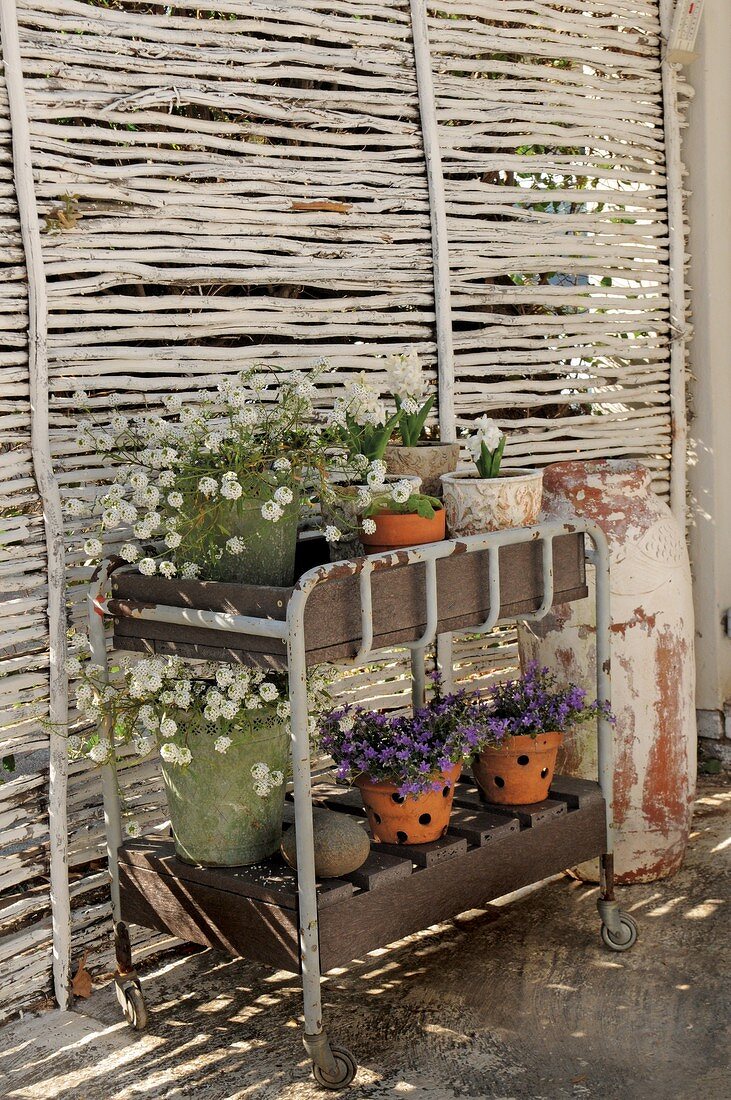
point(519, 772)
point(395, 819)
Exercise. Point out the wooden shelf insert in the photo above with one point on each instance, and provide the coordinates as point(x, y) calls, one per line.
point(252, 911)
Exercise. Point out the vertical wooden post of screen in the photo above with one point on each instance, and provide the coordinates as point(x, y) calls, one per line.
point(50, 497)
point(440, 258)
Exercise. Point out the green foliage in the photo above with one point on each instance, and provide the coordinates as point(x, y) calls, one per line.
point(411, 425)
point(488, 464)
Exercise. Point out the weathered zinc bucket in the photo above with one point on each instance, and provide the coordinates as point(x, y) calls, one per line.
point(653, 669)
point(266, 548)
point(226, 808)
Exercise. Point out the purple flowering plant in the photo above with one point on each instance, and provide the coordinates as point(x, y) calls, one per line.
point(410, 751)
point(534, 703)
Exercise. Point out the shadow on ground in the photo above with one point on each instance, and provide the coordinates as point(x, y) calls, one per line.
point(513, 1003)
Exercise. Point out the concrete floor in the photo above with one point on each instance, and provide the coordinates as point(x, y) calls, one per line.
point(514, 1003)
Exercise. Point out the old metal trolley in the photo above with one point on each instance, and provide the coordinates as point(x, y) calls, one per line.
point(348, 611)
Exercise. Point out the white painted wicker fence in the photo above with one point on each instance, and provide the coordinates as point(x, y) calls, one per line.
point(279, 182)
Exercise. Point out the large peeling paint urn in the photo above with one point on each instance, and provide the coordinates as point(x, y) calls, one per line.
point(653, 670)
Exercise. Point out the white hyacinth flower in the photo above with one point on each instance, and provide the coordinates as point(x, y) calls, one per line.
point(332, 534)
point(369, 526)
point(487, 432)
point(148, 567)
point(222, 744)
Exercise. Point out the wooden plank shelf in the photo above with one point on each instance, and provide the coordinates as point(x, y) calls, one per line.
point(252, 911)
point(332, 617)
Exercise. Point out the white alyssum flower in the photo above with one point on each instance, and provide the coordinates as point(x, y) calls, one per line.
point(405, 376)
point(72, 666)
point(272, 511)
point(167, 569)
point(346, 723)
point(99, 753)
point(235, 545)
point(169, 752)
point(284, 709)
point(208, 486)
point(80, 397)
point(284, 495)
point(369, 526)
point(173, 539)
point(260, 770)
point(175, 500)
point(281, 465)
point(127, 512)
point(189, 570)
point(133, 830)
point(487, 432)
point(168, 728)
point(184, 756)
point(93, 548)
point(74, 744)
point(76, 507)
point(222, 744)
point(269, 692)
point(144, 745)
point(225, 675)
point(332, 533)
point(230, 488)
point(139, 479)
point(364, 498)
point(166, 478)
point(376, 475)
point(401, 491)
point(148, 567)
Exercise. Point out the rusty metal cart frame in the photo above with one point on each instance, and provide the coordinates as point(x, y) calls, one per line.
point(333, 1066)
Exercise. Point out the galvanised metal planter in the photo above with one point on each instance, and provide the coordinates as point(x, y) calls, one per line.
point(219, 814)
point(270, 546)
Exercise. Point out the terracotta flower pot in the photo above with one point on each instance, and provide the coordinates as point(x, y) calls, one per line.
point(520, 771)
point(428, 460)
point(476, 504)
point(394, 531)
point(344, 513)
point(395, 819)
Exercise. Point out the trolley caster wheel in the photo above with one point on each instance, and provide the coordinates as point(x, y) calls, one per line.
point(347, 1069)
point(625, 938)
point(133, 1005)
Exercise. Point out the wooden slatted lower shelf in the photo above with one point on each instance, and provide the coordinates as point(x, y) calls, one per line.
point(252, 911)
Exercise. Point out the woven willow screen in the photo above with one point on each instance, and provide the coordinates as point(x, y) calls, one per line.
point(248, 183)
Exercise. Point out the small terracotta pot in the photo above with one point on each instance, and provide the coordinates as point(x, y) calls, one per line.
point(476, 504)
point(394, 819)
point(394, 531)
point(520, 771)
point(429, 460)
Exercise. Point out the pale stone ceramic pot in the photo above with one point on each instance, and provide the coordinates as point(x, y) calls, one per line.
point(427, 460)
point(653, 670)
point(476, 504)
